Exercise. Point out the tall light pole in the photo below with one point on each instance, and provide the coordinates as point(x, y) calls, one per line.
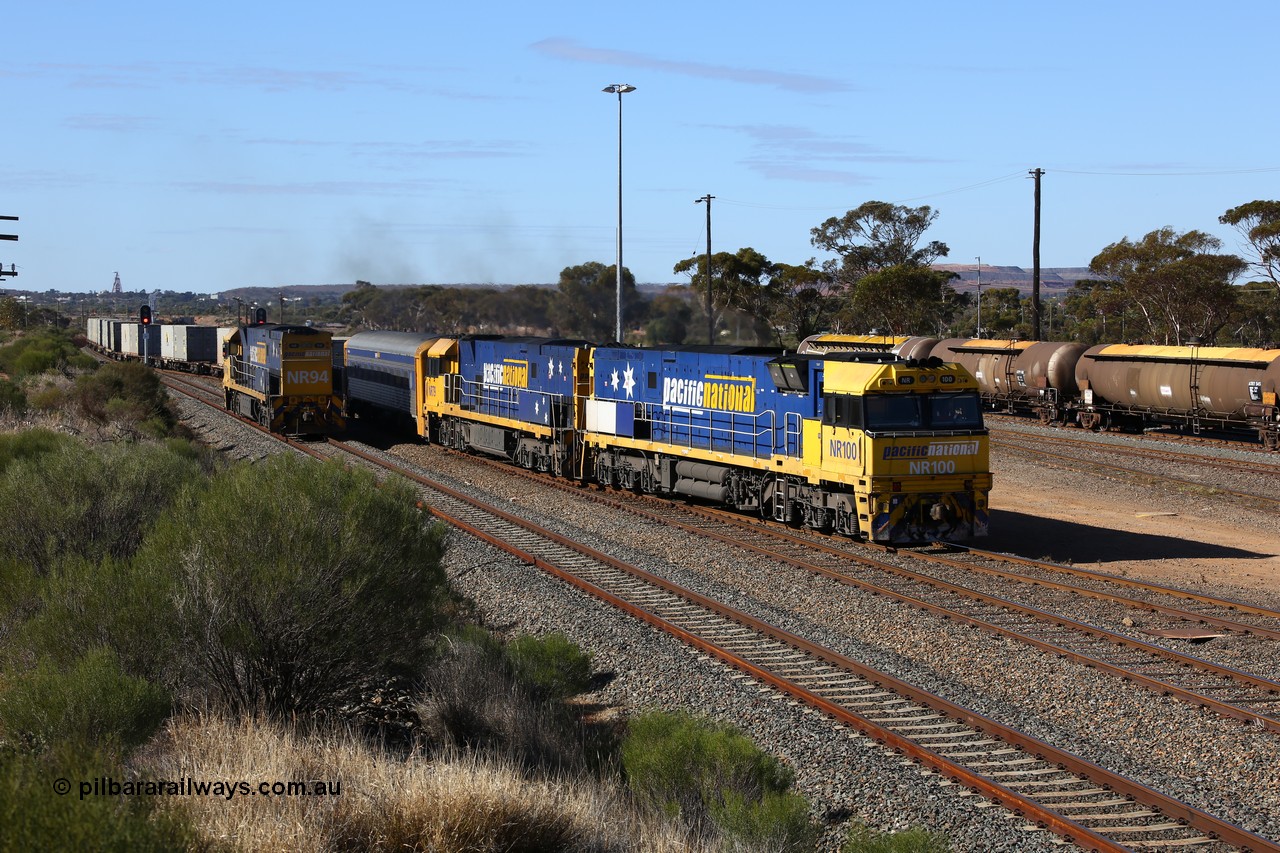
point(711, 319)
point(979, 295)
point(619, 89)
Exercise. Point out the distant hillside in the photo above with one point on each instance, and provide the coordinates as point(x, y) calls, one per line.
point(335, 291)
point(1052, 279)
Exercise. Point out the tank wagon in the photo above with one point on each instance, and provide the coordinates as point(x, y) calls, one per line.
point(282, 377)
point(1215, 387)
point(1021, 376)
point(1115, 386)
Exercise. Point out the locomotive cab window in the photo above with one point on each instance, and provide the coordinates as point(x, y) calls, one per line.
point(842, 410)
point(891, 412)
point(955, 411)
point(948, 411)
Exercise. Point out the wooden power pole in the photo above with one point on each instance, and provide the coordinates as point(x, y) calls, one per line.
point(1035, 261)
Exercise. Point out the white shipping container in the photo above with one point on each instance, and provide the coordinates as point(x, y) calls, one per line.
point(189, 343)
point(131, 339)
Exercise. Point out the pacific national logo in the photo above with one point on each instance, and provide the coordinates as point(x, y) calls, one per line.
point(937, 448)
point(725, 393)
point(513, 374)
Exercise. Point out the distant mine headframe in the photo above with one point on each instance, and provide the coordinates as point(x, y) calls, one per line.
point(13, 268)
point(115, 285)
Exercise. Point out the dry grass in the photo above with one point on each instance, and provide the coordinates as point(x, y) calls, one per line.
point(65, 419)
point(386, 802)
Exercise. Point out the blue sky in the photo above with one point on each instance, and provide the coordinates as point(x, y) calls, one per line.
point(202, 147)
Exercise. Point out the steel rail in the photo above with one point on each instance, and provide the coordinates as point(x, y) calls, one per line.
point(1160, 454)
point(1196, 818)
point(1174, 592)
point(1226, 709)
point(1237, 709)
point(1020, 804)
point(1132, 472)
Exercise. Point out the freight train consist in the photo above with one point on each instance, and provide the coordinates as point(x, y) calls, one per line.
point(865, 444)
point(1107, 386)
point(282, 377)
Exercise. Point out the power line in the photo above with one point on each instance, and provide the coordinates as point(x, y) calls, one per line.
point(1169, 174)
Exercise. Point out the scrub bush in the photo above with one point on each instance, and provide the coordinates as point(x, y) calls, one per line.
point(92, 703)
point(297, 582)
point(714, 778)
point(553, 666)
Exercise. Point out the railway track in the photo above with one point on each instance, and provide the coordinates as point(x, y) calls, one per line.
point(1052, 789)
point(1083, 453)
point(1224, 690)
point(1048, 787)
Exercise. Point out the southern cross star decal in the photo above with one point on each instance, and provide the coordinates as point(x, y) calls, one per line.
point(630, 381)
point(614, 380)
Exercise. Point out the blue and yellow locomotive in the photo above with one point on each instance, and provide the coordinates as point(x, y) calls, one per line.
point(864, 444)
point(282, 377)
point(869, 445)
point(516, 398)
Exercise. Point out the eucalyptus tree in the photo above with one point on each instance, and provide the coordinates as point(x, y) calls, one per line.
point(1259, 223)
point(1178, 283)
point(877, 235)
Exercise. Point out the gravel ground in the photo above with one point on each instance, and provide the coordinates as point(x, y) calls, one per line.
point(1223, 767)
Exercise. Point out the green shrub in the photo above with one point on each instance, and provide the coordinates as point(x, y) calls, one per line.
point(47, 399)
point(916, 840)
point(12, 399)
point(124, 392)
point(91, 502)
point(81, 604)
point(713, 777)
point(475, 702)
point(34, 817)
point(40, 352)
point(91, 703)
point(30, 443)
point(553, 666)
point(297, 582)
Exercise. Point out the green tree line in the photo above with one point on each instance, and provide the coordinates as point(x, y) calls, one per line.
point(1165, 287)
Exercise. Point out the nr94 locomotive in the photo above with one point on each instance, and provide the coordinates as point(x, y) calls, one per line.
point(282, 377)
